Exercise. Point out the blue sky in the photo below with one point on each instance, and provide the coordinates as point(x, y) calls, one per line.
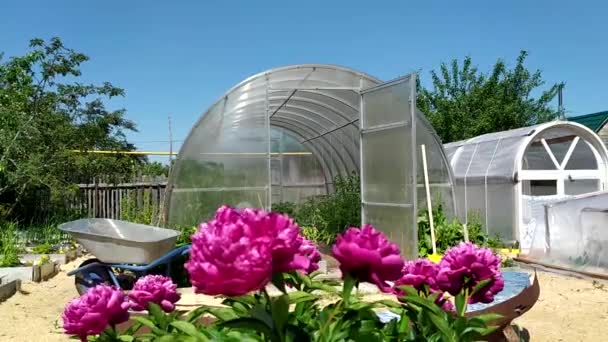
point(178, 57)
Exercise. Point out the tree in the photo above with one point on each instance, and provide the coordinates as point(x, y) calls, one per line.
point(464, 103)
point(45, 114)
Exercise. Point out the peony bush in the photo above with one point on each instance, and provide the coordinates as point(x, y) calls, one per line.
point(240, 252)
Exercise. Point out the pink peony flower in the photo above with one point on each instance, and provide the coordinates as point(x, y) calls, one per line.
point(286, 238)
point(464, 266)
point(231, 255)
point(310, 254)
point(91, 313)
point(419, 274)
point(154, 289)
point(367, 255)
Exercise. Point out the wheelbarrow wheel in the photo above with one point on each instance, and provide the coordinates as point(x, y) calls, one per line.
point(89, 278)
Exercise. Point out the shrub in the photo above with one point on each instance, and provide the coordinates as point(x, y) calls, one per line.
point(330, 214)
point(450, 233)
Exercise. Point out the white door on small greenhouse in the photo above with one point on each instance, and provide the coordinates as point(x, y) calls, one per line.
point(388, 166)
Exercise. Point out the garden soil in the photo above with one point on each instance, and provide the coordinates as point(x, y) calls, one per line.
point(569, 309)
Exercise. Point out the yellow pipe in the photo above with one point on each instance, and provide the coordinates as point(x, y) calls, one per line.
point(175, 153)
point(256, 153)
point(128, 152)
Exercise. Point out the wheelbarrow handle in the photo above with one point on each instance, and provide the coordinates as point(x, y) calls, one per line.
point(88, 266)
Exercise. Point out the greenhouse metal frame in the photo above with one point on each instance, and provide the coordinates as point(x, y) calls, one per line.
point(507, 178)
point(286, 133)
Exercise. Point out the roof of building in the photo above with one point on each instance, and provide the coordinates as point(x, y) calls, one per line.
point(595, 121)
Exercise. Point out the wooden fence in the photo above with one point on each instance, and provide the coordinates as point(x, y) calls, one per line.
point(115, 201)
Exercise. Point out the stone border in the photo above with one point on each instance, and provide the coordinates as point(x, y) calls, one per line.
point(8, 289)
point(34, 273)
point(58, 258)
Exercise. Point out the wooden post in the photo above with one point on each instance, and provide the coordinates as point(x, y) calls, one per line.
point(428, 198)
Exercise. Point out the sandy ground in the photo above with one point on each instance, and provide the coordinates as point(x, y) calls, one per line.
point(569, 309)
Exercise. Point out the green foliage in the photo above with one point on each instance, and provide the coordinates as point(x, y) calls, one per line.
point(45, 248)
point(45, 235)
point(327, 216)
point(44, 260)
point(464, 102)
point(131, 211)
point(9, 246)
point(450, 233)
point(46, 111)
point(185, 232)
point(287, 208)
point(318, 236)
point(152, 169)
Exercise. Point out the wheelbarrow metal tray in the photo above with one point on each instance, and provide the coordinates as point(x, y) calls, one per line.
point(115, 241)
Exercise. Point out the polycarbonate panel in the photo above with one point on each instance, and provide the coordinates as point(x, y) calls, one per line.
point(299, 194)
point(387, 171)
point(533, 218)
point(296, 172)
point(476, 202)
point(439, 172)
point(393, 222)
point(581, 186)
point(575, 235)
point(199, 205)
point(390, 105)
point(484, 156)
point(582, 158)
point(500, 211)
point(559, 147)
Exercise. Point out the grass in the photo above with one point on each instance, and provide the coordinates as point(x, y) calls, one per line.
point(9, 246)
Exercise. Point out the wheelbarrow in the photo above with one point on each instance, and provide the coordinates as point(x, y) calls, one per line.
point(123, 251)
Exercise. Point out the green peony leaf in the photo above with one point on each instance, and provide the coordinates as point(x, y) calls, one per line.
point(480, 286)
point(301, 296)
point(158, 314)
point(247, 323)
point(189, 329)
point(280, 312)
point(460, 301)
point(489, 317)
point(148, 323)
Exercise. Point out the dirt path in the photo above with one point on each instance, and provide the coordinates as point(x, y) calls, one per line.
point(35, 313)
point(569, 309)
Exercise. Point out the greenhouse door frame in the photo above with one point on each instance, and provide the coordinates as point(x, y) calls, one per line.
point(560, 175)
point(407, 123)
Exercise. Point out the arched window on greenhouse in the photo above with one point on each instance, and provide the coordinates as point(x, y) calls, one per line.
point(505, 179)
point(287, 133)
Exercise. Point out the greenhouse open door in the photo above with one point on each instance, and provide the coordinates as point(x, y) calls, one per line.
point(388, 163)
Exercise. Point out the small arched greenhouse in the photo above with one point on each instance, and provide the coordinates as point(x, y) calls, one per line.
point(286, 133)
point(505, 179)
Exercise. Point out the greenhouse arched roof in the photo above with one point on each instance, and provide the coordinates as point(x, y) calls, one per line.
point(499, 156)
point(310, 101)
point(235, 153)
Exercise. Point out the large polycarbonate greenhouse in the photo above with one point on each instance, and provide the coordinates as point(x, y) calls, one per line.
point(505, 179)
point(285, 134)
